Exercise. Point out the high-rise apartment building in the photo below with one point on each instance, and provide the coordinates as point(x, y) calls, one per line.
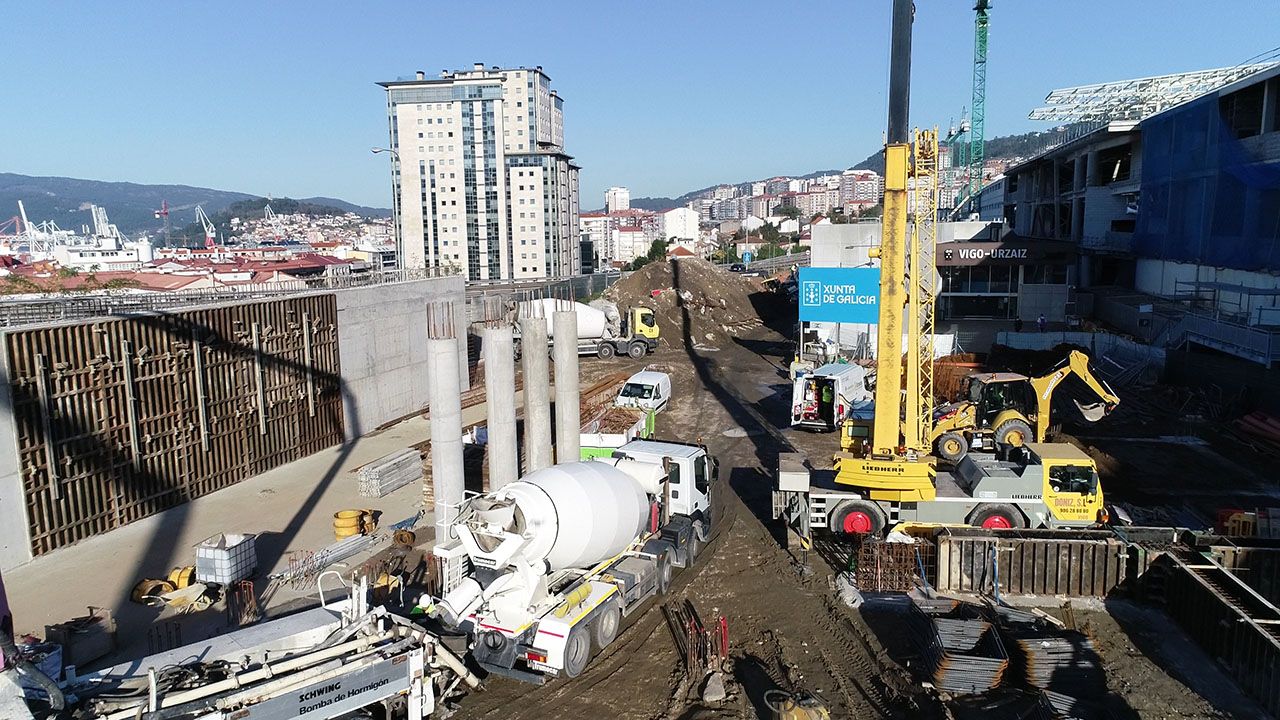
point(481, 176)
point(617, 198)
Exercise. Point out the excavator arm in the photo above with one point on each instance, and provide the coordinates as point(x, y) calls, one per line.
point(1077, 363)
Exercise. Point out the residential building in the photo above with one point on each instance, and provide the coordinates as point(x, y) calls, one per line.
point(481, 175)
point(777, 185)
point(595, 228)
point(680, 223)
point(617, 198)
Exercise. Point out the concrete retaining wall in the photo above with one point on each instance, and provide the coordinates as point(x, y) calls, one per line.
point(14, 544)
point(382, 340)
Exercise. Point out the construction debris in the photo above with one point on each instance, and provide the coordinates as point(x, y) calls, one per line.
point(390, 473)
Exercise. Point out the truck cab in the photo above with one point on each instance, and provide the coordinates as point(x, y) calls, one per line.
point(690, 470)
point(642, 324)
point(1053, 484)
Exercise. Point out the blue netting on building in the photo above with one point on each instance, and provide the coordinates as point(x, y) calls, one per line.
point(1205, 199)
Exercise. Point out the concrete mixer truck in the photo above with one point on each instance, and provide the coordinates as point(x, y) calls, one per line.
point(602, 331)
point(561, 556)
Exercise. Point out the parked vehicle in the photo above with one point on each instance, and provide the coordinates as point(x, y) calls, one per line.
point(737, 268)
point(821, 399)
point(647, 390)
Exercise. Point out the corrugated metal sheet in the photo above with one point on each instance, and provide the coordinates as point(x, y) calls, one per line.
point(119, 419)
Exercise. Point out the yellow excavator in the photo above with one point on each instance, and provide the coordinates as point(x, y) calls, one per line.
point(1005, 409)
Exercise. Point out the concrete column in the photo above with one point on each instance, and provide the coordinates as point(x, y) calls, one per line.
point(568, 420)
point(500, 400)
point(446, 416)
point(537, 393)
point(460, 326)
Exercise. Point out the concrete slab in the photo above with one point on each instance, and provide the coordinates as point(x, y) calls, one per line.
point(290, 508)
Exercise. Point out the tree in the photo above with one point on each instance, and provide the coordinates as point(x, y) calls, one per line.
point(790, 212)
point(657, 249)
point(874, 211)
point(769, 233)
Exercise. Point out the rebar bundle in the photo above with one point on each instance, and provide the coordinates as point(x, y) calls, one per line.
point(962, 652)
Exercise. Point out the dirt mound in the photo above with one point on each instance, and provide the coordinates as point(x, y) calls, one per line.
point(718, 303)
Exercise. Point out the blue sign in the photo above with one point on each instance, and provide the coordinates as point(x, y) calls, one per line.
point(850, 295)
point(748, 257)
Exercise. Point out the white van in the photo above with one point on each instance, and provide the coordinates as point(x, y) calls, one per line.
point(647, 390)
point(823, 398)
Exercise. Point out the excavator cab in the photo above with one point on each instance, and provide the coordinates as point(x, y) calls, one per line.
point(995, 394)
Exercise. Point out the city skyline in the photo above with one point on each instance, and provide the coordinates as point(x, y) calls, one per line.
point(263, 100)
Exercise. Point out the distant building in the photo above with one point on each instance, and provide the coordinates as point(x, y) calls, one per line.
point(481, 176)
point(680, 223)
point(617, 198)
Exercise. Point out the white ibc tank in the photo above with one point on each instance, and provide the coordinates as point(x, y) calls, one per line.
point(579, 513)
point(591, 321)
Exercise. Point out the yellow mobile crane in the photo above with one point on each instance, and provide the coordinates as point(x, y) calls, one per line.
point(887, 475)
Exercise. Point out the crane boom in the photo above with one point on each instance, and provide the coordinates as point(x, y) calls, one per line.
point(977, 123)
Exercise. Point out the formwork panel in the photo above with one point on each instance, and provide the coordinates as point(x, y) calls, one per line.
point(1072, 564)
point(118, 419)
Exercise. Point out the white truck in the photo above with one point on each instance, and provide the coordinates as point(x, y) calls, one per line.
point(602, 331)
point(825, 397)
point(559, 557)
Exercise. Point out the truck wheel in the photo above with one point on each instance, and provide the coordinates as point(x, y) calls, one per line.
point(952, 446)
point(997, 517)
point(605, 351)
point(606, 625)
point(1014, 433)
point(856, 517)
point(577, 651)
point(692, 550)
point(636, 350)
point(665, 561)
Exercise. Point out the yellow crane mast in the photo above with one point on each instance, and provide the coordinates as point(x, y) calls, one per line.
point(896, 466)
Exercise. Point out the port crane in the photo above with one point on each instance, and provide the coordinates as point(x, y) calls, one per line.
point(210, 232)
point(273, 221)
point(163, 214)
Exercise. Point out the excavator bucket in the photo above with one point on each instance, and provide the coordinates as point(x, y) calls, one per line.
point(1093, 412)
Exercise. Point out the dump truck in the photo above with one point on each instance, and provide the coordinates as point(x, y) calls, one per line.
point(558, 558)
point(613, 428)
point(1008, 409)
point(602, 330)
point(1053, 485)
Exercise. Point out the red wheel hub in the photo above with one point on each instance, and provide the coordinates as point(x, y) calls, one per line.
point(997, 522)
point(856, 523)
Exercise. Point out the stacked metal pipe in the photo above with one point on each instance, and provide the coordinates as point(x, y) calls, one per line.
point(390, 473)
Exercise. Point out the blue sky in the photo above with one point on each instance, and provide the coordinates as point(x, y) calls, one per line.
point(663, 97)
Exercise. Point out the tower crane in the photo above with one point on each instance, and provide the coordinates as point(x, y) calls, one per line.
point(977, 122)
point(210, 233)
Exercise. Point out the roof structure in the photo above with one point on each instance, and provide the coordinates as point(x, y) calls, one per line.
point(1137, 98)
